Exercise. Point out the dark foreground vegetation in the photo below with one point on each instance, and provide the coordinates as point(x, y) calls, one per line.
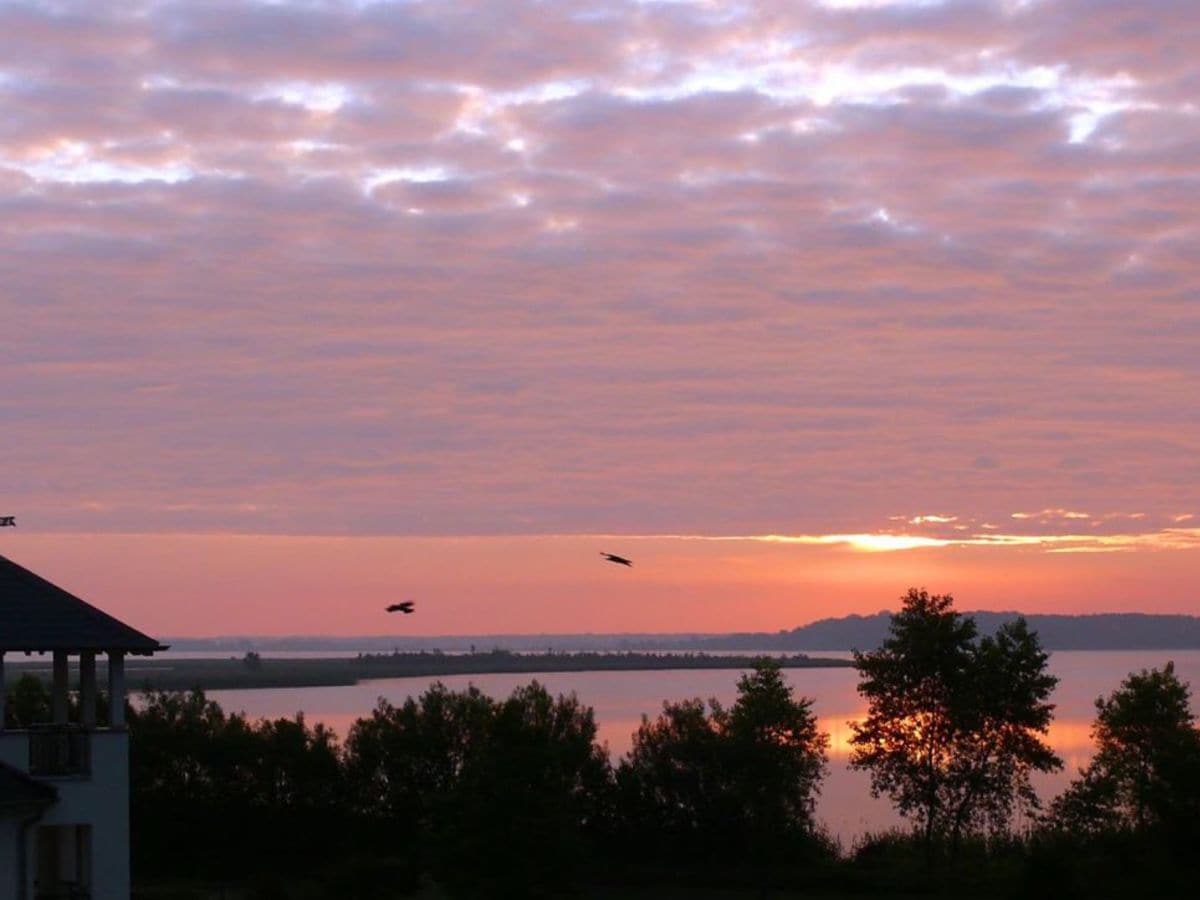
point(457, 794)
point(253, 671)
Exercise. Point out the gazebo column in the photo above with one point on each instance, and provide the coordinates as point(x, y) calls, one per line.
point(59, 688)
point(3, 691)
point(87, 688)
point(116, 689)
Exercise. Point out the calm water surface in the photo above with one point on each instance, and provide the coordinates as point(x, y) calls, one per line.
point(620, 699)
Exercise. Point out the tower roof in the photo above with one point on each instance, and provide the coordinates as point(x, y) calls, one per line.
point(36, 616)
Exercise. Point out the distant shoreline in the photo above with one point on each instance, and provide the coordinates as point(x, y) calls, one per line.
point(1093, 631)
point(245, 674)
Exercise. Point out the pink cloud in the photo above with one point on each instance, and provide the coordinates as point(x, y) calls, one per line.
point(512, 268)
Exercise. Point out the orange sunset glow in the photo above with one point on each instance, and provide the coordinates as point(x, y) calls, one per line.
point(285, 585)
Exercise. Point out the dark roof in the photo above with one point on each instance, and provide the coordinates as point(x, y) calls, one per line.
point(20, 792)
point(36, 615)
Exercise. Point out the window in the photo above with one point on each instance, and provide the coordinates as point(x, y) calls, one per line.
point(59, 750)
point(64, 863)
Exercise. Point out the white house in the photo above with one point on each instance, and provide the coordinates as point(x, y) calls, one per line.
point(64, 784)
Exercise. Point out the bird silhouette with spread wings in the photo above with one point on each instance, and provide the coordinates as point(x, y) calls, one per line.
point(406, 607)
point(619, 560)
point(8, 521)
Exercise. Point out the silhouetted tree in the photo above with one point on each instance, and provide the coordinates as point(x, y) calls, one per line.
point(777, 754)
point(501, 794)
point(673, 786)
point(27, 702)
point(525, 807)
point(738, 781)
point(1146, 771)
point(250, 795)
point(403, 761)
point(296, 767)
point(956, 722)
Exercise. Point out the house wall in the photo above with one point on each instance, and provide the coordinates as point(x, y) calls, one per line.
point(14, 749)
point(100, 800)
point(103, 802)
point(10, 833)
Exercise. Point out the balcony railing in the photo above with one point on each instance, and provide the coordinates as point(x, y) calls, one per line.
point(59, 750)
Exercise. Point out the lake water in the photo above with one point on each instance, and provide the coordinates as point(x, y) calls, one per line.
point(620, 699)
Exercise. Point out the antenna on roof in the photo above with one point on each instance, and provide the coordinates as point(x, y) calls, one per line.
point(8, 521)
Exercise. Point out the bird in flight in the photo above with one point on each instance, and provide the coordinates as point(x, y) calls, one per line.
point(613, 558)
point(8, 521)
point(405, 607)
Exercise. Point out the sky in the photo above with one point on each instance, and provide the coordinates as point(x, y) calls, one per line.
point(309, 307)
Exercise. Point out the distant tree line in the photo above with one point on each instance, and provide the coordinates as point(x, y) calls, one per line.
point(514, 797)
point(252, 670)
point(1096, 631)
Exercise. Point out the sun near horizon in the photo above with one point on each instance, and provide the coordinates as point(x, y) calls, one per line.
point(197, 585)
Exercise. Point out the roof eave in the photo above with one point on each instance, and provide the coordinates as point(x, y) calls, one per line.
point(76, 648)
